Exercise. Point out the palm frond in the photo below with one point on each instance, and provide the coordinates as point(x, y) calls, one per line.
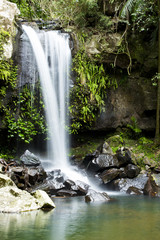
point(127, 8)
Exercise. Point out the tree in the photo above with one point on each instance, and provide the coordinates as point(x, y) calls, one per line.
point(157, 135)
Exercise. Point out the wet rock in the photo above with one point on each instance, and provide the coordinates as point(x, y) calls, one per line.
point(80, 187)
point(66, 193)
point(124, 183)
point(109, 175)
point(93, 196)
point(43, 199)
point(132, 171)
point(29, 159)
point(104, 161)
point(122, 173)
point(124, 156)
point(105, 149)
point(87, 159)
point(56, 175)
point(12, 199)
point(151, 188)
point(51, 186)
point(69, 184)
point(27, 176)
point(156, 178)
point(134, 191)
point(5, 181)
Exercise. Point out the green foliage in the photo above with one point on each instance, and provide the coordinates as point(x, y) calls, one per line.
point(31, 9)
point(145, 141)
point(155, 79)
point(8, 72)
point(89, 92)
point(135, 130)
point(143, 14)
point(24, 117)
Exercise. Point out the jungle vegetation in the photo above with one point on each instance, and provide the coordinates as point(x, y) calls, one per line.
point(89, 17)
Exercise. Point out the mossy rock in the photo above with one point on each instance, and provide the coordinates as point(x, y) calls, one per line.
point(115, 141)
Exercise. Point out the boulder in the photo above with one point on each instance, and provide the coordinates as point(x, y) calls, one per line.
point(29, 159)
point(105, 149)
point(66, 193)
point(109, 175)
point(105, 161)
point(12, 199)
point(134, 191)
point(93, 196)
point(8, 12)
point(44, 201)
point(151, 188)
point(25, 177)
point(124, 156)
point(80, 187)
point(132, 171)
point(124, 183)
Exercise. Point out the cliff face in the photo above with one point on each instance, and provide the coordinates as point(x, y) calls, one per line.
point(8, 12)
point(133, 69)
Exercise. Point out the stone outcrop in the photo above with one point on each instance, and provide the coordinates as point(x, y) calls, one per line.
point(8, 12)
point(136, 97)
point(93, 196)
point(12, 199)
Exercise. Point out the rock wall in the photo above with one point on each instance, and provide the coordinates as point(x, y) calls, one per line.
point(135, 97)
point(8, 11)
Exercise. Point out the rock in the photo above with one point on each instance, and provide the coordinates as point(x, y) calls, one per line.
point(105, 149)
point(136, 98)
point(68, 184)
point(13, 199)
point(27, 176)
point(150, 188)
point(132, 171)
point(6, 181)
point(93, 196)
point(124, 183)
point(87, 159)
point(115, 140)
point(66, 193)
point(8, 11)
point(150, 163)
point(156, 178)
point(29, 159)
point(50, 186)
point(105, 161)
point(124, 156)
point(109, 175)
point(44, 201)
point(134, 191)
point(80, 187)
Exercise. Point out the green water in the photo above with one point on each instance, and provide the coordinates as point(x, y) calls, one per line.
point(127, 218)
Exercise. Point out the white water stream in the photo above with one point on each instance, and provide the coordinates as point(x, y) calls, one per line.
point(53, 57)
point(53, 64)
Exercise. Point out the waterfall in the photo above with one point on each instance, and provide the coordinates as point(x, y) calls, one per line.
point(53, 58)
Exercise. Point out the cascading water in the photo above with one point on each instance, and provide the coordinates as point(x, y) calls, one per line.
point(53, 59)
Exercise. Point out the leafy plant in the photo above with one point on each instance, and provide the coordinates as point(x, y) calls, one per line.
point(135, 130)
point(89, 92)
point(24, 117)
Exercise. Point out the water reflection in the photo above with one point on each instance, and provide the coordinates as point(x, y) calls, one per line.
point(128, 218)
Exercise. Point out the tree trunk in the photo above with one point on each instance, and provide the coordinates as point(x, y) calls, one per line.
point(157, 135)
